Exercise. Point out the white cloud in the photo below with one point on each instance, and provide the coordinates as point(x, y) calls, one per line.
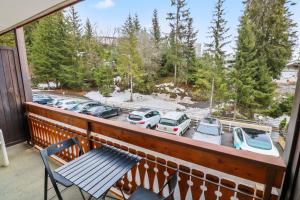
point(105, 4)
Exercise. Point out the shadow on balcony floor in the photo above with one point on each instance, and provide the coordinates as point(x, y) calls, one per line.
point(24, 177)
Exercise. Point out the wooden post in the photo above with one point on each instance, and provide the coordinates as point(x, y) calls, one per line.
point(88, 134)
point(291, 184)
point(269, 185)
point(20, 44)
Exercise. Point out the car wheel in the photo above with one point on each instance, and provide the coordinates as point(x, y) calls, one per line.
point(149, 127)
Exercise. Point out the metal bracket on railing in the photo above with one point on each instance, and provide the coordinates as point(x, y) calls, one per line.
point(3, 147)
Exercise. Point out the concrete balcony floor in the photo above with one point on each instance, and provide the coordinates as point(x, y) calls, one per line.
point(24, 177)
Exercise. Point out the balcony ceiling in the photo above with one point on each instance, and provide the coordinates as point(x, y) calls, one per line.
point(16, 13)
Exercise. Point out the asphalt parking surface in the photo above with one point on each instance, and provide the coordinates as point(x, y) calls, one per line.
point(226, 137)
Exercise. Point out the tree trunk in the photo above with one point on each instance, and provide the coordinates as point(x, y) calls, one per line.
point(211, 96)
point(131, 89)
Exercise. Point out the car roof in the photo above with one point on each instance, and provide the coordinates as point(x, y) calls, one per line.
point(141, 111)
point(68, 100)
point(252, 131)
point(173, 115)
point(209, 121)
point(89, 101)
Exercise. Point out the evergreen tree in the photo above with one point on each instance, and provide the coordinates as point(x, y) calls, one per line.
point(178, 20)
point(136, 23)
point(189, 51)
point(103, 76)
point(129, 26)
point(218, 34)
point(156, 34)
point(7, 39)
point(253, 87)
point(88, 30)
point(129, 63)
point(75, 28)
point(51, 51)
point(274, 32)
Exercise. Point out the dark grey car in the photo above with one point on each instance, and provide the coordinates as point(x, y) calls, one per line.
point(103, 111)
point(85, 106)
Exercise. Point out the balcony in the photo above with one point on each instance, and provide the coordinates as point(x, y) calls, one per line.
point(206, 171)
point(24, 176)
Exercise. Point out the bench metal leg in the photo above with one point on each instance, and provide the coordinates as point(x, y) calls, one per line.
point(46, 185)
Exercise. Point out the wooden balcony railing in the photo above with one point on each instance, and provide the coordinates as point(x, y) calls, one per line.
point(206, 171)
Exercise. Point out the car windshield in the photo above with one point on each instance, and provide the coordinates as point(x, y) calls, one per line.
point(258, 140)
point(135, 117)
point(96, 109)
point(208, 129)
point(78, 107)
point(168, 122)
point(59, 103)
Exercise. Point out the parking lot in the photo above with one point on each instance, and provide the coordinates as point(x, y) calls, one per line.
point(227, 139)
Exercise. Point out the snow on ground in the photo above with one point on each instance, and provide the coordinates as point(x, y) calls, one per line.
point(43, 86)
point(139, 100)
point(161, 102)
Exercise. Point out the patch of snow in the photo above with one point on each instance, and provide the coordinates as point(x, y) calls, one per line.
point(43, 86)
point(275, 122)
point(122, 99)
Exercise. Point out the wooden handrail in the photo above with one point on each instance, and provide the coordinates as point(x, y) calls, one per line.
point(244, 164)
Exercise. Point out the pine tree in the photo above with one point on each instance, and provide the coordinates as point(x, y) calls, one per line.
point(274, 32)
point(7, 39)
point(218, 34)
point(75, 28)
point(252, 85)
point(156, 34)
point(178, 21)
point(103, 76)
point(129, 63)
point(189, 51)
point(88, 30)
point(51, 51)
point(128, 27)
point(136, 23)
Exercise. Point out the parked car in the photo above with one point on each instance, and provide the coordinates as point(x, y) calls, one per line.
point(174, 122)
point(55, 101)
point(103, 111)
point(144, 117)
point(41, 99)
point(209, 130)
point(84, 106)
point(254, 140)
point(67, 104)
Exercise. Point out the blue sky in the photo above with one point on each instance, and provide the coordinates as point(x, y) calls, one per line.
point(110, 14)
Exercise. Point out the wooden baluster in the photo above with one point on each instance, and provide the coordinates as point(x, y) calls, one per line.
point(227, 193)
point(141, 167)
point(197, 182)
point(246, 189)
point(183, 182)
point(150, 171)
point(133, 173)
point(212, 186)
point(161, 166)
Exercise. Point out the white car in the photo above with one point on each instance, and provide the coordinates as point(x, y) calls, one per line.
point(67, 104)
point(254, 140)
point(144, 117)
point(176, 123)
point(209, 130)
